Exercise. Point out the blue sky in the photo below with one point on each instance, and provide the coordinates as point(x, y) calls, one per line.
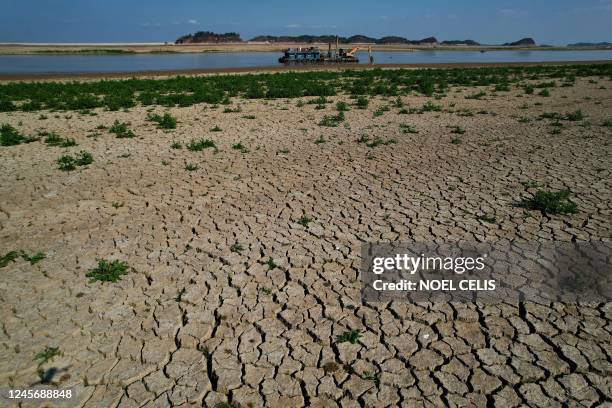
point(487, 21)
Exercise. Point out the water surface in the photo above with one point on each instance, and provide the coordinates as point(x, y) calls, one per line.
point(74, 64)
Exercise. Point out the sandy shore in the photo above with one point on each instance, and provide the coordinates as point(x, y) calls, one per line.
point(241, 47)
point(231, 296)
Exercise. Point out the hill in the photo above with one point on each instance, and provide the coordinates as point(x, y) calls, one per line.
point(208, 37)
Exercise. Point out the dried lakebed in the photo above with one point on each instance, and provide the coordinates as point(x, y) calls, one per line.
point(237, 239)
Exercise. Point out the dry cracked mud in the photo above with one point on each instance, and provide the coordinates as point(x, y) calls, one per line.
point(204, 317)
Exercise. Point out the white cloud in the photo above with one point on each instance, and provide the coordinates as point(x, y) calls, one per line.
point(193, 21)
point(293, 26)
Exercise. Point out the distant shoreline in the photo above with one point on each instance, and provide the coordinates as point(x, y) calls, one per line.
point(157, 48)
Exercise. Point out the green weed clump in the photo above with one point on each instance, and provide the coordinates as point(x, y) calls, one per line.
point(8, 258)
point(167, 121)
point(53, 139)
point(304, 221)
point(9, 136)
point(241, 147)
point(191, 167)
point(121, 130)
point(108, 271)
point(362, 102)
point(332, 120)
point(201, 144)
point(348, 337)
point(377, 141)
point(553, 202)
point(68, 163)
point(47, 355)
point(342, 107)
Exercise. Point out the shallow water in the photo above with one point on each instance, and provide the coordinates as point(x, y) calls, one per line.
point(72, 64)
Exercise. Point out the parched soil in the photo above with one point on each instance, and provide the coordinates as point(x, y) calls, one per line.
point(230, 298)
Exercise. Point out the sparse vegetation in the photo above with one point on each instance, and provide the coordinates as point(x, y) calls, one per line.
point(191, 167)
point(304, 221)
point(236, 247)
point(68, 163)
point(47, 355)
point(9, 136)
point(107, 271)
point(241, 147)
point(332, 120)
point(553, 202)
point(121, 130)
point(348, 336)
point(201, 144)
point(8, 257)
point(167, 121)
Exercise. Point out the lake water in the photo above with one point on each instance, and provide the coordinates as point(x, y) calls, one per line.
point(71, 64)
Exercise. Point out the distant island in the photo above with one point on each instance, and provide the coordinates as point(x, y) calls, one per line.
point(210, 37)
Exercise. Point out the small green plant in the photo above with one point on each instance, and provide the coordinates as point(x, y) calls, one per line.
point(230, 110)
point(545, 93)
point(320, 140)
point(607, 123)
point(524, 119)
point(271, 264)
point(407, 128)
point(458, 130)
point(529, 89)
point(68, 163)
point(121, 130)
point(377, 141)
point(300, 103)
point(176, 145)
point(47, 355)
point(372, 377)
point(216, 129)
point(201, 144)
point(266, 291)
point(321, 100)
point(9, 136)
point(117, 205)
point(236, 247)
point(490, 219)
point(304, 221)
point(284, 151)
point(430, 107)
point(34, 259)
point(362, 102)
point(53, 139)
point(342, 107)
point(241, 147)
point(332, 120)
point(107, 271)
point(8, 257)
point(553, 202)
point(380, 111)
point(163, 122)
point(191, 167)
point(477, 96)
point(249, 117)
point(348, 336)
point(575, 116)
point(456, 140)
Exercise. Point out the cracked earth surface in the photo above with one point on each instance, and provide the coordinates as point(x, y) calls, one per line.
point(195, 323)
